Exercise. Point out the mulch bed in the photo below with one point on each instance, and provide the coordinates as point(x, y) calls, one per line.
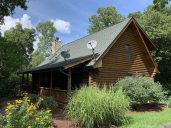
point(59, 120)
point(150, 107)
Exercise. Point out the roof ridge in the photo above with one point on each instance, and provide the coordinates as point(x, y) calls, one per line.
point(127, 19)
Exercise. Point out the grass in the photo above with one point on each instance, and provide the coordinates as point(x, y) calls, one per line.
point(92, 108)
point(150, 120)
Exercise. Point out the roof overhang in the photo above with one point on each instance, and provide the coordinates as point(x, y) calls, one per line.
point(58, 66)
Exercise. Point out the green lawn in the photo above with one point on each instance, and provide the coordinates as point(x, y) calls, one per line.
point(150, 120)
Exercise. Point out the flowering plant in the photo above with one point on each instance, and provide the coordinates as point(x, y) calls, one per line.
point(24, 114)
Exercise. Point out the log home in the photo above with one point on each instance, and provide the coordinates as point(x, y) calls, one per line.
point(122, 50)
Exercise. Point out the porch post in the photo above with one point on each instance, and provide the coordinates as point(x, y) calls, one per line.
point(39, 84)
point(22, 81)
point(27, 79)
point(51, 82)
point(69, 81)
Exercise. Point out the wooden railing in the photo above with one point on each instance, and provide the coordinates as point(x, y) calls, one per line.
point(59, 95)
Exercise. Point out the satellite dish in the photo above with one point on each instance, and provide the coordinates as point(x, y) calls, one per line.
point(65, 54)
point(92, 44)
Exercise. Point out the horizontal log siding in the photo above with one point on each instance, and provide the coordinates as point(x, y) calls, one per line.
point(115, 65)
point(93, 77)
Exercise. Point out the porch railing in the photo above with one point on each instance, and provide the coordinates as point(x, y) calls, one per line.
point(59, 95)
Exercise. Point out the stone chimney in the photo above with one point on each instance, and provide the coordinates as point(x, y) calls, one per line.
point(56, 45)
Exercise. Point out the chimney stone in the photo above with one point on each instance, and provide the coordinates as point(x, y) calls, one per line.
point(56, 45)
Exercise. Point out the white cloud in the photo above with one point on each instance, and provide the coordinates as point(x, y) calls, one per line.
point(25, 21)
point(10, 22)
point(62, 26)
point(35, 44)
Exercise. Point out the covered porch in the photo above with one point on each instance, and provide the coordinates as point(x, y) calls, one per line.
point(57, 82)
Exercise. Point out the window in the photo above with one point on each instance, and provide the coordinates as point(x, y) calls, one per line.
point(127, 52)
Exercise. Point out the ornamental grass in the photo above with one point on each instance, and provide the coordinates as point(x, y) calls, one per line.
point(93, 107)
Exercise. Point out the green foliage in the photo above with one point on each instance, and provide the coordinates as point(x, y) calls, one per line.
point(46, 34)
point(33, 98)
point(16, 48)
point(8, 65)
point(7, 7)
point(136, 15)
point(37, 58)
point(46, 102)
point(23, 39)
point(105, 17)
point(94, 107)
point(140, 90)
point(160, 4)
point(46, 31)
point(169, 102)
point(24, 114)
point(1, 121)
point(9, 86)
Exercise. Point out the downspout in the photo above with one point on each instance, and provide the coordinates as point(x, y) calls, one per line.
point(69, 79)
point(60, 69)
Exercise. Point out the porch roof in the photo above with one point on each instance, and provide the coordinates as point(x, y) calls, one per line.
point(64, 64)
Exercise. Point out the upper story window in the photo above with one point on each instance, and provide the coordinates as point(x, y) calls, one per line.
point(127, 52)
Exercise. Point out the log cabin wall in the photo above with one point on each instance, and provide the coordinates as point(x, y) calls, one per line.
point(116, 64)
point(93, 77)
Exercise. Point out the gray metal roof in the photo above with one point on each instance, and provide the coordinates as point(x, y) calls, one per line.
point(78, 47)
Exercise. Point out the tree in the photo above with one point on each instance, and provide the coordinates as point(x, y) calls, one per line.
point(37, 58)
point(105, 17)
point(23, 38)
point(16, 48)
point(46, 32)
point(7, 65)
point(136, 15)
point(158, 27)
point(160, 4)
point(7, 7)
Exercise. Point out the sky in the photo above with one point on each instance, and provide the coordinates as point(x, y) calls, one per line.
point(70, 17)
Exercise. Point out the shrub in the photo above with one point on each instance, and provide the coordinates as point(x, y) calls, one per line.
point(169, 102)
point(141, 90)
point(47, 102)
point(24, 114)
point(1, 121)
point(33, 97)
point(91, 107)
